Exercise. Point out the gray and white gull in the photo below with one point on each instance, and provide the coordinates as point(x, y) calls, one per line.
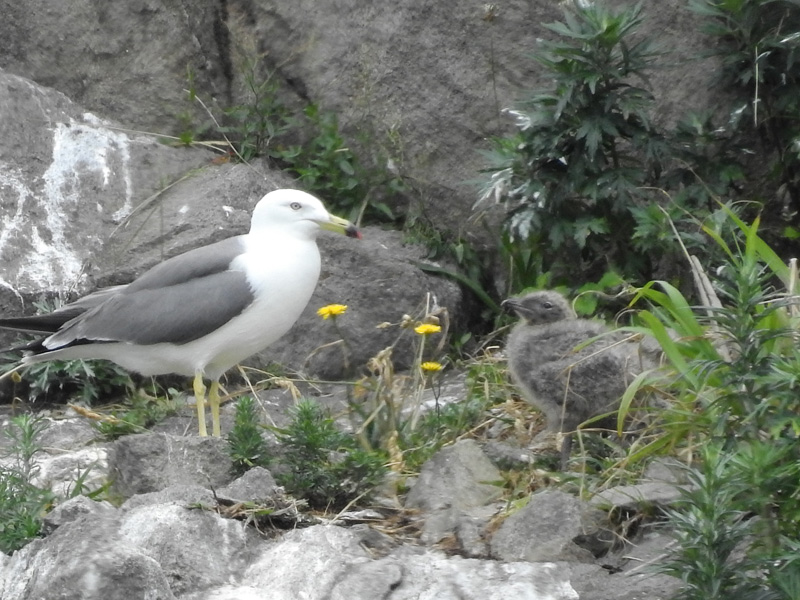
point(199, 313)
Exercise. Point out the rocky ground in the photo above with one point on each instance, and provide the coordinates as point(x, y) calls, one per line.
point(182, 526)
point(90, 197)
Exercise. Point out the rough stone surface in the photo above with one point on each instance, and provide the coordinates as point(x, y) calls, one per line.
point(255, 484)
point(453, 489)
point(459, 476)
point(75, 508)
point(68, 433)
point(547, 529)
point(83, 559)
point(87, 467)
point(67, 178)
point(427, 575)
point(182, 495)
point(128, 61)
point(427, 81)
point(631, 496)
point(196, 549)
point(151, 462)
point(172, 543)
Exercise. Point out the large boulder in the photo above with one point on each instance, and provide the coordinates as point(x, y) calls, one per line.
point(127, 61)
point(67, 179)
point(423, 82)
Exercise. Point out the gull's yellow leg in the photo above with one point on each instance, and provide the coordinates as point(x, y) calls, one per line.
point(199, 398)
point(213, 402)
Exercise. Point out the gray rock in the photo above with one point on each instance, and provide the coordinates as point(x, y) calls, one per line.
point(471, 531)
point(458, 476)
point(427, 80)
point(508, 456)
point(452, 489)
point(70, 180)
point(83, 559)
point(552, 526)
point(665, 470)
point(68, 433)
point(147, 462)
point(75, 508)
point(336, 566)
point(632, 496)
point(325, 553)
point(255, 484)
point(87, 467)
point(196, 549)
point(593, 582)
point(182, 495)
point(128, 62)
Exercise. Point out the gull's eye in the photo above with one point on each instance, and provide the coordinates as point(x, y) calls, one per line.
point(295, 206)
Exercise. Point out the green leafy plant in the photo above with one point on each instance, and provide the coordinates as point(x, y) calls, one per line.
point(590, 184)
point(326, 466)
point(308, 144)
point(708, 527)
point(731, 380)
point(583, 149)
point(255, 126)
point(757, 43)
point(22, 504)
point(325, 163)
point(246, 445)
point(89, 380)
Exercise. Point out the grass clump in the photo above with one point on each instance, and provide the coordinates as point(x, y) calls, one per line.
point(246, 445)
point(325, 465)
point(139, 414)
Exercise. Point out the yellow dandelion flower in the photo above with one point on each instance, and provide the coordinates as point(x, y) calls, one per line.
point(431, 367)
point(332, 310)
point(427, 329)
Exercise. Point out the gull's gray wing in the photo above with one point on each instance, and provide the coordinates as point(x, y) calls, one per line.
point(177, 301)
point(52, 322)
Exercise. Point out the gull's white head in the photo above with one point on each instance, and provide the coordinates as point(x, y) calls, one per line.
point(299, 212)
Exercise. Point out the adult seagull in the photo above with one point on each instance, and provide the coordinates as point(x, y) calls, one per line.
point(202, 312)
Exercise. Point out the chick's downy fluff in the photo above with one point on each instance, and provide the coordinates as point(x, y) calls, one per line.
point(568, 386)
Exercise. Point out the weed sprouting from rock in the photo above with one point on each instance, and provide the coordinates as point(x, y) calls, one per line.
point(22, 504)
point(246, 444)
point(325, 465)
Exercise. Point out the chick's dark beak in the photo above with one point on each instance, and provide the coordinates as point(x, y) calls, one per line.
point(509, 305)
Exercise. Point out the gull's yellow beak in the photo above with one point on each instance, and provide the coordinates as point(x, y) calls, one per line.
point(340, 225)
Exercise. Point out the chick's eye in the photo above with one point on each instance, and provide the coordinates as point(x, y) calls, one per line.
point(295, 206)
point(547, 305)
